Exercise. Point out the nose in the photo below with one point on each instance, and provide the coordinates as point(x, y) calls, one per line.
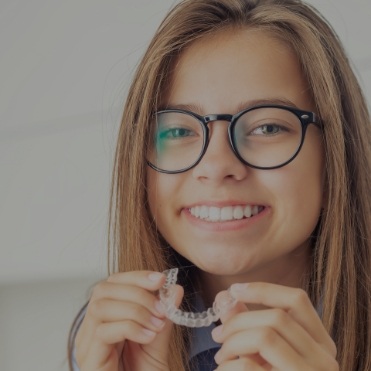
point(219, 163)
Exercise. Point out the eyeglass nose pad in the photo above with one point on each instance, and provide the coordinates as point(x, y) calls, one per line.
point(217, 117)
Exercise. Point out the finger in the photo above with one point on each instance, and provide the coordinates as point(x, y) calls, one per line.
point(160, 346)
point(123, 293)
point(107, 310)
point(116, 332)
point(281, 322)
point(102, 351)
point(230, 311)
point(134, 321)
point(293, 300)
point(241, 364)
point(126, 294)
point(148, 280)
point(133, 328)
point(264, 341)
point(128, 286)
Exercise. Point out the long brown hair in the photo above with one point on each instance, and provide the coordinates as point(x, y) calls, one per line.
point(340, 278)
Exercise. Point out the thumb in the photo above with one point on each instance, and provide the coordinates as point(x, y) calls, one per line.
point(228, 311)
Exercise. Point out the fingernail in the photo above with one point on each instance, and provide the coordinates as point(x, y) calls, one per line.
point(148, 333)
point(217, 332)
point(160, 307)
point(155, 276)
point(157, 322)
point(225, 301)
point(238, 287)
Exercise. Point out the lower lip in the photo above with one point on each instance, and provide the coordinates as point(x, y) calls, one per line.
point(230, 225)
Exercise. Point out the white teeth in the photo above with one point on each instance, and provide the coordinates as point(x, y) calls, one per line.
point(226, 213)
point(216, 214)
point(238, 212)
point(247, 211)
point(204, 212)
point(197, 211)
point(255, 210)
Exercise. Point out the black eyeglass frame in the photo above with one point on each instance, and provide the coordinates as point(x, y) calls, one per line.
point(305, 117)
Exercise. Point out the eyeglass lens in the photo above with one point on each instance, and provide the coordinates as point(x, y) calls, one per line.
point(263, 137)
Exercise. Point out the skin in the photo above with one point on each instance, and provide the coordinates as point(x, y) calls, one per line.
point(125, 327)
point(274, 325)
point(221, 75)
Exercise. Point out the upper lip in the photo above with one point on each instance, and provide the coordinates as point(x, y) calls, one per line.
point(221, 204)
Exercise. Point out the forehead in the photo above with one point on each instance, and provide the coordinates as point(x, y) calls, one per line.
point(239, 65)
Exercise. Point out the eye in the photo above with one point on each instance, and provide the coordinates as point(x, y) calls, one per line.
point(267, 129)
point(176, 133)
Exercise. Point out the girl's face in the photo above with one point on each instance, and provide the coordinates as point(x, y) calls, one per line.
point(226, 73)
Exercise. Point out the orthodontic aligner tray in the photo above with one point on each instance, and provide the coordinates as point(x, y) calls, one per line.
point(189, 319)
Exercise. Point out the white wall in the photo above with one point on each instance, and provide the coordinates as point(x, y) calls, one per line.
point(64, 70)
point(34, 323)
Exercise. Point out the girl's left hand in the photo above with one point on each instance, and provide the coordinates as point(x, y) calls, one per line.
point(287, 336)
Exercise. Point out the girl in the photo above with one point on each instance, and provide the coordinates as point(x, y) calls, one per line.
point(244, 159)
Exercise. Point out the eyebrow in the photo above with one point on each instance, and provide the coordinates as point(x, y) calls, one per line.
point(196, 108)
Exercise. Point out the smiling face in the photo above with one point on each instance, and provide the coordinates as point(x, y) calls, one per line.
point(231, 220)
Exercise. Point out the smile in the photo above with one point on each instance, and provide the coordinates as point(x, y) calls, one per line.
point(227, 213)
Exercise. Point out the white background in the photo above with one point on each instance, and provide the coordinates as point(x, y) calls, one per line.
point(65, 67)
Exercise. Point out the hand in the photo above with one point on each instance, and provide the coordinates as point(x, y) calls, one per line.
point(287, 336)
point(125, 327)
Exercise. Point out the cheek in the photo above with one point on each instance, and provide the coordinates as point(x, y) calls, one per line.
point(161, 191)
point(154, 200)
point(297, 189)
point(300, 188)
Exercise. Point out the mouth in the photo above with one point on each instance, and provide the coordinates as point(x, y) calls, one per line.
point(226, 213)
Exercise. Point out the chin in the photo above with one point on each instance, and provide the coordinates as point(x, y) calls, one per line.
point(225, 266)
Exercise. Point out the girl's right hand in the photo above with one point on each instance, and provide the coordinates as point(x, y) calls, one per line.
point(125, 327)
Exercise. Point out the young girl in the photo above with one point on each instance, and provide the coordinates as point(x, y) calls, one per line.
point(243, 159)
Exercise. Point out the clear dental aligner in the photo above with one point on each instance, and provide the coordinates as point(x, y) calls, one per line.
point(189, 319)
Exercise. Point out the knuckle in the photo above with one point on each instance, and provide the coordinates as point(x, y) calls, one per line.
point(114, 276)
point(300, 297)
point(95, 308)
point(138, 313)
point(106, 335)
point(280, 317)
point(99, 289)
point(100, 332)
point(267, 337)
point(246, 364)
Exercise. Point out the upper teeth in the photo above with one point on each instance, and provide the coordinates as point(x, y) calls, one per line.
point(215, 214)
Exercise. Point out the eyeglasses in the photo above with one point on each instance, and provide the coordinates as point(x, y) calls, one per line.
point(263, 137)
